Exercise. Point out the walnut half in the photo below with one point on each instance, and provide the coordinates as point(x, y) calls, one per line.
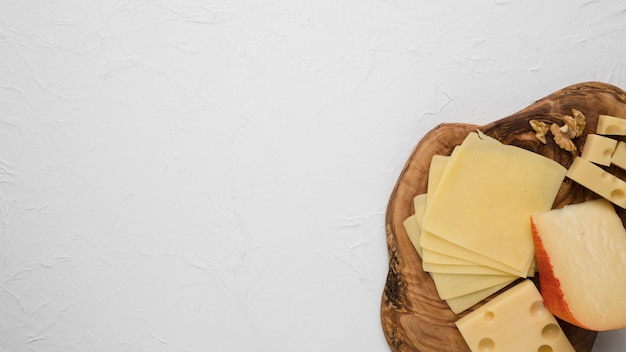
point(563, 135)
point(540, 129)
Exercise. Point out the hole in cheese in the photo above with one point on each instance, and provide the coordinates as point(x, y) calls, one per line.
point(612, 129)
point(537, 309)
point(550, 331)
point(489, 316)
point(608, 152)
point(617, 194)
point(544, 348)
point(486, 344)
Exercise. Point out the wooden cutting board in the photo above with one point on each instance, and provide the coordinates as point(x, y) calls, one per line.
point(413, 317)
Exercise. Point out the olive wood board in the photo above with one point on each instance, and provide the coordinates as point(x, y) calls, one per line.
point(412, 315)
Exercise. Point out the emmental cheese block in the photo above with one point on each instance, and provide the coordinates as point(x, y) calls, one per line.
point(485, 197)
point(514, 321)
point(599, 149)
point(611, 125)
point(599, 181)
point(581, 255)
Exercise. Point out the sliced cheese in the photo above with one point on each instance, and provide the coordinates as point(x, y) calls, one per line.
point(455, 285)
point(413, 231)
point(438, 244)
point(461, 269)
point(599, 149)
point(438, 165)
point(485, 197)
point(433, 257)
point(514, 321)
point(611, 125)
point(462, 303)
point(582, 258)
point(599, 181)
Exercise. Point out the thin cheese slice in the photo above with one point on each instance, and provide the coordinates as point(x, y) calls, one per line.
point(461, 269)
point(455, 285)
point(485, 197)
point(462, 303)
point(514, 321)
point(441, 258)
point(433, 244)
point(413, 231)
point(438, 244)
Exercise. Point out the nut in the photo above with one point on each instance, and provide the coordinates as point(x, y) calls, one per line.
point(540, 128)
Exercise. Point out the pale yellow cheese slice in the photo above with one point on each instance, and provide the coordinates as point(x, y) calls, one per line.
point(413, 231)
point(485, 197)
point(432, 244)
point(514, 321)
point(433, 257)
point(438, 165)
point(461, 269)
point(455, 285)
point(437, 244)
point(462, 303)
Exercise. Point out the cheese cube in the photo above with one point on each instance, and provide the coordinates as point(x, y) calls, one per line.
point(599, 149)
point(619, 155)
point(611, 125)
point(513, 321)
point(599, 181)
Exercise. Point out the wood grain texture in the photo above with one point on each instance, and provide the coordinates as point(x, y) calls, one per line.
point(413, 317)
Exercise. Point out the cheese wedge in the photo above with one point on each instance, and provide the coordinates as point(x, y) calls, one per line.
point(485, 197)
point(581, 255)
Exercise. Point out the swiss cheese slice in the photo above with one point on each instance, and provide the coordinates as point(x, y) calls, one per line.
point(485, 197)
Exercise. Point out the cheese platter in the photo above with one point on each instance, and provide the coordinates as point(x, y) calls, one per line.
point(413, 316)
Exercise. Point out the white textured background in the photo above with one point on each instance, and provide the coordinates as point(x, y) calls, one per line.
point(213, 175)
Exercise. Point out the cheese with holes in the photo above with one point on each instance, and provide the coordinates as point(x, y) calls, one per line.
point(581, 254)
point(514, 321)
point(599, 149)
point(599, 181)
point(485, 197)
point(611, 125)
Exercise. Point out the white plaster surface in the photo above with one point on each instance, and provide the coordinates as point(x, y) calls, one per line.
point(186, 175)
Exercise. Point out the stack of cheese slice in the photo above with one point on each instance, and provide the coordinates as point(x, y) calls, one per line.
point(472, 227)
